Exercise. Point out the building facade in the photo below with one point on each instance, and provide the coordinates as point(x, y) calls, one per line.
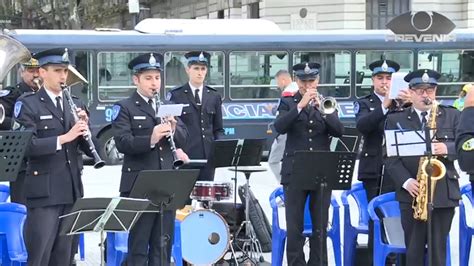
point(314, 14)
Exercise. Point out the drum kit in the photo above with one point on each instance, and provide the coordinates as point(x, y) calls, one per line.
point(205, 234)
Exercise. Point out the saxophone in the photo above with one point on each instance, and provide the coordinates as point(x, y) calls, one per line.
point(438, 169)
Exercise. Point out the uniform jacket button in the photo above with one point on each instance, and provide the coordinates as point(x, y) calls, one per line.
point(310, 149)
point(310, 121)
point(35, 173)
point(161, 159)
point(366, 154)
point(128, 169)
point(45, 127)
point(310, 131)
point(203, 136)
point(161, 148)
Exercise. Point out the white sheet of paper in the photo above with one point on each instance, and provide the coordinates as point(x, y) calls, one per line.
point(170, 110)
point(410, 143)
point(397, 84)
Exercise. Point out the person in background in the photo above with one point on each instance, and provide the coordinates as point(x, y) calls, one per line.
point(459, 102)
point(465, 136)
point(288, 88)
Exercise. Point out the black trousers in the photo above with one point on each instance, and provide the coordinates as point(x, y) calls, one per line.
point(373, 189)
point(144, 240)
point(295, 200)
point(416, 236)
point(43, 243)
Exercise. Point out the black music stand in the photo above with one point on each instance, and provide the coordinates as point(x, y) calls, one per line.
point(13, 145)
point(166, 190)
point(322, 170)
point(102, 215)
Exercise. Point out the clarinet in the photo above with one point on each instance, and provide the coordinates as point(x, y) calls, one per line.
point(98, 162)
point(176, 161)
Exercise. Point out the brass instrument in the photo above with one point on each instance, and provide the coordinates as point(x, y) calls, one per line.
point(176, 161)
point(12, 52)
point(327, 105)
point(438, 171)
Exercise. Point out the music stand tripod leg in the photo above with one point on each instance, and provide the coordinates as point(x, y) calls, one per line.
point(102, 248)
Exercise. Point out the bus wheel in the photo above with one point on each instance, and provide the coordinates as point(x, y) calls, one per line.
point(108, 151)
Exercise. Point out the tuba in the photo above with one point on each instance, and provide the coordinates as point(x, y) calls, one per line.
point(438, 171)
point(12, 52)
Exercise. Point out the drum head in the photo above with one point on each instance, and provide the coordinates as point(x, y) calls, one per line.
point(204, 237)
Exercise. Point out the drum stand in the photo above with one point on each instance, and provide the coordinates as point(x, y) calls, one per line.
point(251, 248)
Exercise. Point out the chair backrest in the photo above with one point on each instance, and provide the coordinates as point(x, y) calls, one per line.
point(12, 218)
point(357, 192)
point(4, 193)
point(386, 203)
point(466, 191)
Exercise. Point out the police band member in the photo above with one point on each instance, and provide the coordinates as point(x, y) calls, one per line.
point(29, 72)
point(370, 112)
point(306, 129)
point(142, 139)
point(465, 135)
point(53, 176)
point(203, 115)
point(404, 170)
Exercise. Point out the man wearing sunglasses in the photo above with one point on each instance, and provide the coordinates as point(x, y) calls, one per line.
point(405, 170)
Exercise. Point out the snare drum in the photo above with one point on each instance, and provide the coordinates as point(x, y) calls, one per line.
point(205, 237)
point(211, 191)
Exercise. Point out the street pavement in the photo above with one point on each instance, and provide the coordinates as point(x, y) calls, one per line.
point(105, 183)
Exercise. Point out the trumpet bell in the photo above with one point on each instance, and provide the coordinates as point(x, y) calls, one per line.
point(328, 105)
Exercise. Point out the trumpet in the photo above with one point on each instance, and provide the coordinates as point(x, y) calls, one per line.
point(326, 106)
point(98, 162)
point(176, 161)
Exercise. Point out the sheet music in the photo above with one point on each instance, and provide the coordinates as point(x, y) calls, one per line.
point(170, 110)
point(405, 143)
point(397, 84)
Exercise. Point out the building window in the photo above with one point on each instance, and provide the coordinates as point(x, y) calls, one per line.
point(254, 10)
point(380, 12)
point(220, 14)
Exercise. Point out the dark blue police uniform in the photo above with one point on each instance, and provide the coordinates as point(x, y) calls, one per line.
point(133, 123)
point(400, 169)
point(53, 177)
point(202, 117)
point(465, 143)
point(370, 121)
point(307, 129)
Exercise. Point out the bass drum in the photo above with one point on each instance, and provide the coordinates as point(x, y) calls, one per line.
point(205, 237)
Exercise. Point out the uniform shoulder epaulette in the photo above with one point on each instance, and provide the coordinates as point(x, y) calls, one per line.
point(210, 88)
point(25, 95)
point(176, 89)
point(447, 106)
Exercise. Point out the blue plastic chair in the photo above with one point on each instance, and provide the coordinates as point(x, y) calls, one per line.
point(4, 193)
point(465, 231)
point(279, 234)
point(12, 245)
point(357, 192)
point(389, 207)
point(117, 247)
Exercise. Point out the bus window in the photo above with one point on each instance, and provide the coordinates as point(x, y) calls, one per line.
point(114, 77)
point(82, 64)
point(334, 75)
point(456, 69)
point(252, 74)
point(175, 71)
point(365, 58)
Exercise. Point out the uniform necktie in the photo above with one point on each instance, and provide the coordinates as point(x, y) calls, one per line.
point(196, 97)
point(58, 104)
point(423, 118)
point(150, 102)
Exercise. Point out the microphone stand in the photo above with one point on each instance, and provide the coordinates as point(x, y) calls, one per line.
point(429, 171)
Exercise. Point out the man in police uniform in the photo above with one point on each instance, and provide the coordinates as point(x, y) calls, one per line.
point(203, 115)
point(53, 176)
point(370, 112)
point(403, 170)
point(29, 73)
point(142, 138)
point(465, 137)
point(306, 129)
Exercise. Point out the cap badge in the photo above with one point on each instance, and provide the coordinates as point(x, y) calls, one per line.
point(425, 77)
point(384, 66)
point(307, 70)
point(201, 57)
point(65, 56)
point(152, 60)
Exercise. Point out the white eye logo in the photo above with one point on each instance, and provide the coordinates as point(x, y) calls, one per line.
point(422, 20)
